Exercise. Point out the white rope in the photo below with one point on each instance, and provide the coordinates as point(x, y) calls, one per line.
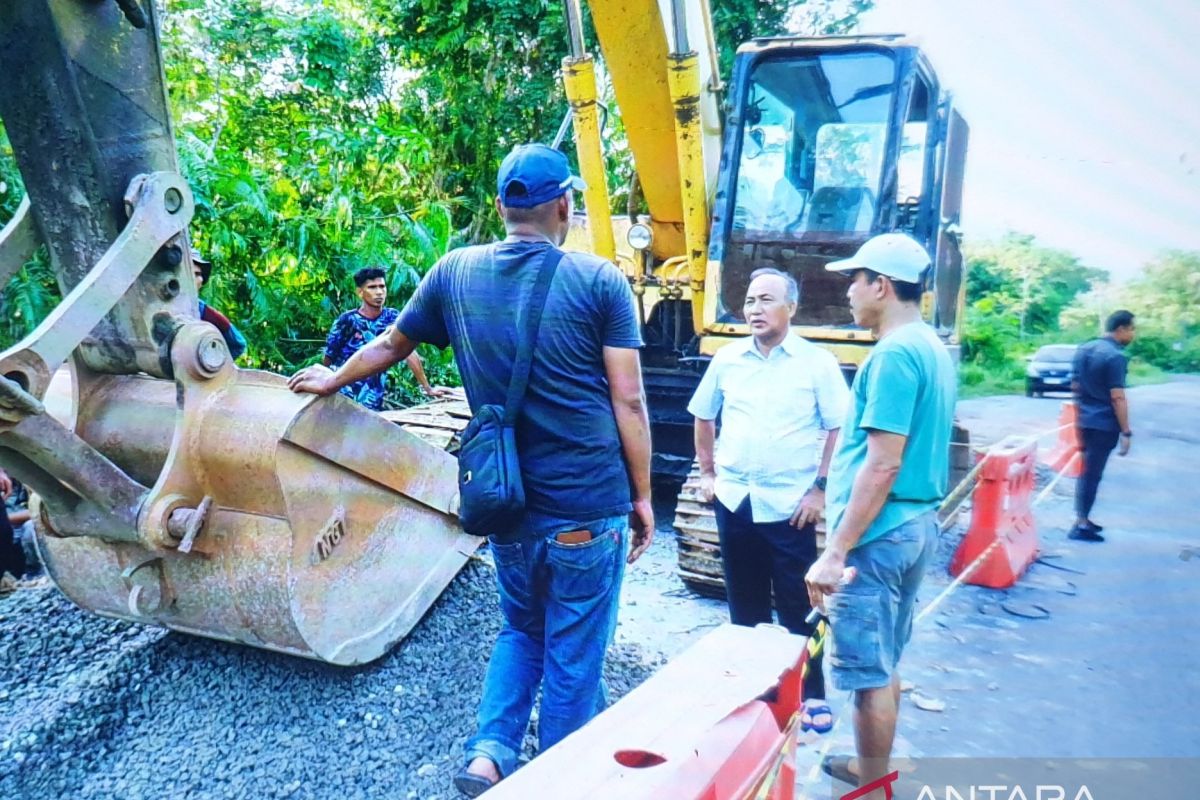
point(815, 772)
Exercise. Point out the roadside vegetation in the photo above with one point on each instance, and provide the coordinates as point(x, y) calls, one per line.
point(1022, 295)
point(321, 137)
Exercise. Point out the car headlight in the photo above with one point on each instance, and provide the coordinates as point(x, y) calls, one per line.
point(640, 237)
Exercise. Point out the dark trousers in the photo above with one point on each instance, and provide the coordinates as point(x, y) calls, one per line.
point(764, 557)
point(12, 555)
point(1097, 445)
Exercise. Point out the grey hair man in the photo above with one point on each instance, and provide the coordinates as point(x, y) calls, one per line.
point(781, 401)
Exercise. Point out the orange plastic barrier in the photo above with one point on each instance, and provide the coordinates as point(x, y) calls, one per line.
point(716, 723)
point(1002, 517)
point(1067, 450)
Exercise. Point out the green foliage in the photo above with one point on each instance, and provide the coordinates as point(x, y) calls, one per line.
point(1024, 279)
point(32, 292)
point(481, 77)
point(304, 170)
point(1142, 372)
point(1016, 292)
point(976, 380)
point(1166, 300)
point(320, 136)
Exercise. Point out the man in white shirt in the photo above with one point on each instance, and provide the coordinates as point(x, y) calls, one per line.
point(778, 396)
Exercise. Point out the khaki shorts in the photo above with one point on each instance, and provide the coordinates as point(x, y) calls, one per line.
point(871, 619)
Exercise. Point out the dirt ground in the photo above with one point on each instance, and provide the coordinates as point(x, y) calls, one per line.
point(1110, 671)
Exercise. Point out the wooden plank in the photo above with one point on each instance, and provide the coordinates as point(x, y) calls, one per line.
point(439, 438)
point(720, 673)
point(439, 422)
point(424, 418)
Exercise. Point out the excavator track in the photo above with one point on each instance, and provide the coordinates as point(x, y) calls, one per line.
point(698, 543)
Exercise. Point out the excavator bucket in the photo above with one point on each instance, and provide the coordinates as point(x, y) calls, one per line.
point(327, 532)
point(172, 487)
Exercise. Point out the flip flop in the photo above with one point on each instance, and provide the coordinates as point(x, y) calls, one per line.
point(470, 784)
point(816, 710)
point(838, 768)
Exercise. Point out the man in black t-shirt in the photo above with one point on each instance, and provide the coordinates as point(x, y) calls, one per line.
point(1103, 414)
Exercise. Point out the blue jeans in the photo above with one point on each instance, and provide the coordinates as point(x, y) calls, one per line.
point(871, 620)
point(560, 612)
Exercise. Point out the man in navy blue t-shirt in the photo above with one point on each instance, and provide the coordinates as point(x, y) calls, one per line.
point(583, 439)
point(1102, 414)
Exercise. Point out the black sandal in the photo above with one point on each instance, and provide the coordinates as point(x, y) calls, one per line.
point(470, 784)
point(838, 768)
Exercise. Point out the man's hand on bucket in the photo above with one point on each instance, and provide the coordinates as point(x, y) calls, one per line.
point(316, 379)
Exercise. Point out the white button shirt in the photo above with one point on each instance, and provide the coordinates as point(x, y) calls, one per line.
point(774, 414)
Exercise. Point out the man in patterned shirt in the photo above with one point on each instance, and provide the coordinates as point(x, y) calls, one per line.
point(356, 327)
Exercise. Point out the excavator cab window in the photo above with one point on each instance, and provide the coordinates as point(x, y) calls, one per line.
point(810, 158)
point(913, 164)
point(839, 104)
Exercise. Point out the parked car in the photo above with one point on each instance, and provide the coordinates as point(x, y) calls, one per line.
point(1050, 369)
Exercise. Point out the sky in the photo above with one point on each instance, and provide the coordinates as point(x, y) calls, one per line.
point(1084, 114)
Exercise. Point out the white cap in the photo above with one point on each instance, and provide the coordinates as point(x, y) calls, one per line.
point(896, 255)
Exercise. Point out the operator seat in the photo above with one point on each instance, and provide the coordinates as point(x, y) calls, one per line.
point(837, 208)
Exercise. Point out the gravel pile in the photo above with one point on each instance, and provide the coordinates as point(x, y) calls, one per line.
point(91, 707)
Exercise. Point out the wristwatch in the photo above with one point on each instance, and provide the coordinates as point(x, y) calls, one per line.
point(1127, 433)
point(819, 483)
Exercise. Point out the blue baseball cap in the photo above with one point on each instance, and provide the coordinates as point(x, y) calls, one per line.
point(533, 174)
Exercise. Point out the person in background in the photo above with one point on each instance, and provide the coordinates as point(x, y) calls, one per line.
point(358, 326)
point(12, 555)
point(201, 272)
point(778, 397)
point(1102, 414)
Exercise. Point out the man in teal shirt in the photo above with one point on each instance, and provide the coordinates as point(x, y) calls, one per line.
point(886, 482)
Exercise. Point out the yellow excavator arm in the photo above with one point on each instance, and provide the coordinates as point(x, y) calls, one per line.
point(662, 60)
point(636, 39)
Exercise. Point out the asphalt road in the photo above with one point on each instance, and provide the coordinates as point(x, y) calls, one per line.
point(1112, 671)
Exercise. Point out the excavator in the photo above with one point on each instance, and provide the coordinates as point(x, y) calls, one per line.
point(814, 146)
point(179, 490)
point(176, 489)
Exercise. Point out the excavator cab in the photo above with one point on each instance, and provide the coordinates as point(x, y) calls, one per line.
point(829, 142)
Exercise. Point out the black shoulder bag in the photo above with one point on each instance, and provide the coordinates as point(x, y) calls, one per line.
point(491, 494)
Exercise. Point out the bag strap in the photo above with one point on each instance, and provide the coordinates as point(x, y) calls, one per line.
point(524, 363)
